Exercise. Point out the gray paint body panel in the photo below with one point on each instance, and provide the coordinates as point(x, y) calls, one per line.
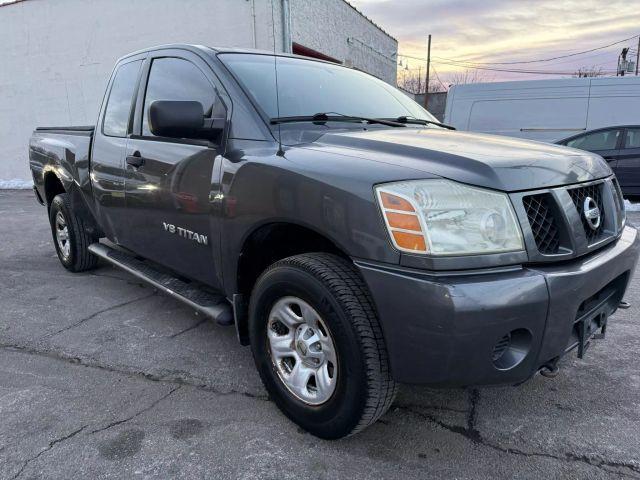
point(441, 317)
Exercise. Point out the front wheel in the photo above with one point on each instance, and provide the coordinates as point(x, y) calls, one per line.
point(318, 345)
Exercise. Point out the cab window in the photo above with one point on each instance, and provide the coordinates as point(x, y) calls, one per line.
point(178, 79)
point(603, 140)
point(118, 109)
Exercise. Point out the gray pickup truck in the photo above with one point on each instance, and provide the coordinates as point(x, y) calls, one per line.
point(354, 241)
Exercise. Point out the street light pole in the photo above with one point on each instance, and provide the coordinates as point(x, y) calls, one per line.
point(426, 88)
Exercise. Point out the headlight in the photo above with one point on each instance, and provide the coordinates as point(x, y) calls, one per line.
point(441, 217)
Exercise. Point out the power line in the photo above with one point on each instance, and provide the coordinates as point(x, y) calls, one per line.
point(477, 65)
point(512, 70)
point(437, 77)
point(542, 59)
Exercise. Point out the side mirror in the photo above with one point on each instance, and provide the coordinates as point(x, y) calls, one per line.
point(181, 119)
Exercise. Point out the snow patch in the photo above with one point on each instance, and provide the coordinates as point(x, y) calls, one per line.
point(631, 207)
point(15, 184)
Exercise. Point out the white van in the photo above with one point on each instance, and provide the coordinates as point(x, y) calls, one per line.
point(545, 110)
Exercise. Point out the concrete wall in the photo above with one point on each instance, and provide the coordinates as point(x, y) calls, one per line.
point(56, 55)
point(335, 28)
point(437, 103)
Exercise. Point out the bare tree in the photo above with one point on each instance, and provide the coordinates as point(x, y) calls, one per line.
point(468, 76)
point(413, 82)
point(585, 72)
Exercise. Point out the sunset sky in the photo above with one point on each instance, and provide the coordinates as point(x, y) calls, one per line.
point(491, 31)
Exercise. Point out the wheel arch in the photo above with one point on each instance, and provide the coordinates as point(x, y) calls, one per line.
point(265, 245)
point(52, 186)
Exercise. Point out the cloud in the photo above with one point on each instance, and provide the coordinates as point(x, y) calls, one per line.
point(500, 30)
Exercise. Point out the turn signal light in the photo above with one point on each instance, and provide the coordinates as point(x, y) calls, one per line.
point(393, 202)
point(406, 222)
point(410, 241)
point(403, 223)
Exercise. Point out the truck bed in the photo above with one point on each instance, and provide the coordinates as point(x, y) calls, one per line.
point(73, 130)
point(64, 150)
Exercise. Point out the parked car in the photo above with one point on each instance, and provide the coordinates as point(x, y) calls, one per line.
point(544, 110)
point(620, 147)
point(354, 242)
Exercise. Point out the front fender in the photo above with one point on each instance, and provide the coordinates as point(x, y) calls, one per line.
point(273, 189)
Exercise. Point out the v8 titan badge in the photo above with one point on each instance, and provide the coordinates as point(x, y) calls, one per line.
point(188, 234)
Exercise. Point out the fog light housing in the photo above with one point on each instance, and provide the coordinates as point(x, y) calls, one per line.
point(511, 349)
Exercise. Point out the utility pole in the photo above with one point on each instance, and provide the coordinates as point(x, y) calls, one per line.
point(638, 56)
point(426, 88)
point(623, 62)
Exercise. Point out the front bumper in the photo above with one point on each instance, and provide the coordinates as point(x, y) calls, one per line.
point(449, 329)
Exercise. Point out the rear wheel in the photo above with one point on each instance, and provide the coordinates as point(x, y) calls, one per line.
point(70, 236)
point(318, 345)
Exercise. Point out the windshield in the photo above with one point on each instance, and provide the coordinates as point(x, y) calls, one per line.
point(307, 87)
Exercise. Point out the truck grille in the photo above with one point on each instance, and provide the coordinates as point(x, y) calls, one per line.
point(557, 227)
point(543, 223)
point(578, 195)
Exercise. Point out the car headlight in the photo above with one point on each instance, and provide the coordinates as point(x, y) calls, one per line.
point(441, 217)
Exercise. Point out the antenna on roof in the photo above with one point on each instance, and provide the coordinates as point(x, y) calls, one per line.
point(275, 68)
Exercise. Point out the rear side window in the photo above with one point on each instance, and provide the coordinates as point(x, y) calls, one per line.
point(116, 115)
point(178, 79)
point(605, 140)
point(632, 139)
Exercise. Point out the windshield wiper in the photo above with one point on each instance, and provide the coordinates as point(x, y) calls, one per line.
point(422, 121)
point(321, 118)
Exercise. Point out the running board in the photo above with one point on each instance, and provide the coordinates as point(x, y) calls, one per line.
point(209, 304)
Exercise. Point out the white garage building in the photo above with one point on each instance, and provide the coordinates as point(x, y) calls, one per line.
point(56, 55)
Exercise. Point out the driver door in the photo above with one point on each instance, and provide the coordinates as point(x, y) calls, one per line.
point(168, 181)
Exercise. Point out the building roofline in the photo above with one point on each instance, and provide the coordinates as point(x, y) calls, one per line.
point(6, 3)
point(371, 21)
point(12, 2)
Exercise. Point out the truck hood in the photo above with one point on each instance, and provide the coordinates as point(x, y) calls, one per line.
point(501, 163)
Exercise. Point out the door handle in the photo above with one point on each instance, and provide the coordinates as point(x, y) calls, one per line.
point(135, 160)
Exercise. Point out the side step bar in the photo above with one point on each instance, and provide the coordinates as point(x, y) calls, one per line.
point(209, 304)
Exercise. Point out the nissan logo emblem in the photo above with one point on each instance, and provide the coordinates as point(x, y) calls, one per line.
point(591, 213)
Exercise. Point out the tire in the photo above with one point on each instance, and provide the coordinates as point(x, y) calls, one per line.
point(73, 252)
point(363, 389)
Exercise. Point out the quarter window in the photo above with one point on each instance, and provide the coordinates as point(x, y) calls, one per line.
point(118, 110)
point(178, 79)
point(632, 139)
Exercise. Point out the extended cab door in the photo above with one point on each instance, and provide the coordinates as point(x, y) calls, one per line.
point(169, 181)
point(628, 165)
point(109, 145)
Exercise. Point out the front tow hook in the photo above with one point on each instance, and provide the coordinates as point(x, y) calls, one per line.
point(550, 370)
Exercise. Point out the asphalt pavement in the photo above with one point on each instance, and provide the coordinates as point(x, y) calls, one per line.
point(102, 377)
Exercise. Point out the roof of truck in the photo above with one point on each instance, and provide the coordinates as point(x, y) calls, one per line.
point(216, 50)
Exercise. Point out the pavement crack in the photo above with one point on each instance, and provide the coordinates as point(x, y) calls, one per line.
point(138, 413)
point(94, 315)
point(471, 432)
point(440, 408)
point(169, 377)
point(52, 444)
point(192, 327)
point(472, 415)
